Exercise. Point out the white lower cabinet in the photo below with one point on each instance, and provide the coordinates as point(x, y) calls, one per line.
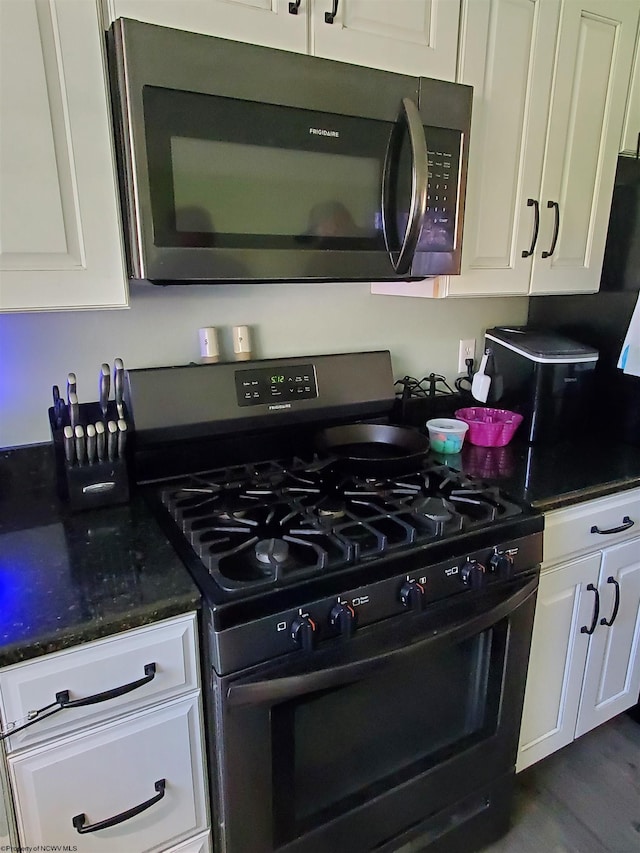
point(66, 791)
point(584, 666)
point(120, 766)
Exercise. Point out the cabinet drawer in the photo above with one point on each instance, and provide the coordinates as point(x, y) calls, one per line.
point(200, 844)
point(98, 669)
point(590, 526)
point(107, 772)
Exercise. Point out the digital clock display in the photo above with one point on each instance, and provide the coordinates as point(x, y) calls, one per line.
point(260, 386)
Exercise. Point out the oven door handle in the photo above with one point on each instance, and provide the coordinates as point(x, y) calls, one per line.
point(282, 689)
point(410, 115)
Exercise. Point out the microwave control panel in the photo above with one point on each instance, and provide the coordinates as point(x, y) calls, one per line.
point(268, 385)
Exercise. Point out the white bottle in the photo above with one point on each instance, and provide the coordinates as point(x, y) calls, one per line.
point(209, 352)
point(242, 343)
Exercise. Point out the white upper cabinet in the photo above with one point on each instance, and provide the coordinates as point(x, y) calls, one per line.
point(550, 82)
point(60, 243)
point(417, 37)
point(506, 53)
point(631, 130)
point(266, 22)
point(591, 80)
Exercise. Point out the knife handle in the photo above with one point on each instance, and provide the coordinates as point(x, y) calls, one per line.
point(100, 441)
point(104, 387)
point(74, 409)
point(69, 446)
point(118, 383)
point(122, 437)
point(112, 440)
point(91, 443)
point(72, 386)
point(80, 444)
point(59, 407)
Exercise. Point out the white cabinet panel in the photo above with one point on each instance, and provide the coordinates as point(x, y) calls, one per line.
point(200, 844)
point(109, 771)
point(612, 679)
point(550, 82)
point(631, 130)
point(584, 666)
point(95, 668)
point(60, 244)
point(266, 22)
point(591, 525)
point(417, 37)
point(591, 80)
point(506, 56)
point(558, 654)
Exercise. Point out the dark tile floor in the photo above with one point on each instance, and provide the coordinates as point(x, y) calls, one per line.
point(583, 799)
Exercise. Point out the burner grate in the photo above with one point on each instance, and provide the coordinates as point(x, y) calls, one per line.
point(272, 523)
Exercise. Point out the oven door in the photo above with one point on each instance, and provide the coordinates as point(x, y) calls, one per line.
point(359, 747)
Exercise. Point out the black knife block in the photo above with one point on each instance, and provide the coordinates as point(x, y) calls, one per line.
point(89, 486)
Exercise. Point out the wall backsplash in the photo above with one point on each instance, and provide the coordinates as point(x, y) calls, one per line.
point(161, 327)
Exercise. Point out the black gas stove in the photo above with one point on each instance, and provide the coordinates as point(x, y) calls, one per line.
point(267, 523)
point(337, 579)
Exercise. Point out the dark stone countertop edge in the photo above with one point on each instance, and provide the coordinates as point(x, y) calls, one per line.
point(48, 643)
point(578, 496)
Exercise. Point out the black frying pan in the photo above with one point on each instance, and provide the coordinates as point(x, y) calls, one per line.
point(374, 449)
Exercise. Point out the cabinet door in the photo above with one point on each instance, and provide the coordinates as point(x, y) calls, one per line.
point(418, 37)
point(109, 772)
point(557, 660)
point(612, 675)
point(631, 130)
point(591, 80)
point(267, 22)
point(507, 56)
point(59, 221)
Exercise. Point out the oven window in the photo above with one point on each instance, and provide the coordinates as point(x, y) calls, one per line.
point(335, 749)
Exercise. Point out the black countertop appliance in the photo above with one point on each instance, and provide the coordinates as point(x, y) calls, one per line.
point(544, 376)
point(600, 320)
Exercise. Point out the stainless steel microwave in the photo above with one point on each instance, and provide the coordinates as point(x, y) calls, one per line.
point(245, 163)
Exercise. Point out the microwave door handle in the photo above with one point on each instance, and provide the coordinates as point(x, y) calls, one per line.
point(282, 689)
point(419, 185)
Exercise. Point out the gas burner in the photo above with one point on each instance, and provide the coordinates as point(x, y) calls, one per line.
point(435, 509)
point(331, 509)
point(271, 551)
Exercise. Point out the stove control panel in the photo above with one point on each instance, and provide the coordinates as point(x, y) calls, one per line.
point(341, 617)
point(276, 386)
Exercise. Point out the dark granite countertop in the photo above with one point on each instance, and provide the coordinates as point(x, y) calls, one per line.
point(546, 476)
point(69, 578)
point(553, 476)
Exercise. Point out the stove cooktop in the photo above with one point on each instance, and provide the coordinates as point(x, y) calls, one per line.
point(271, 524)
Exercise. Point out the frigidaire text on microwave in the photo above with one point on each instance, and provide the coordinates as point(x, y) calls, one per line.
point(245, 163)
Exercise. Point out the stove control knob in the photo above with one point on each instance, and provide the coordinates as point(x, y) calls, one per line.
point(303, 632)
point(500, 564)
point(472, 574)
point(344, 617)
point(412, 595)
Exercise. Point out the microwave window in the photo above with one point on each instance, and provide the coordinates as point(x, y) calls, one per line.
point(222, 187)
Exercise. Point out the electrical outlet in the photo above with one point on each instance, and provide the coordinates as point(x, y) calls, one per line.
point(466, 349)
